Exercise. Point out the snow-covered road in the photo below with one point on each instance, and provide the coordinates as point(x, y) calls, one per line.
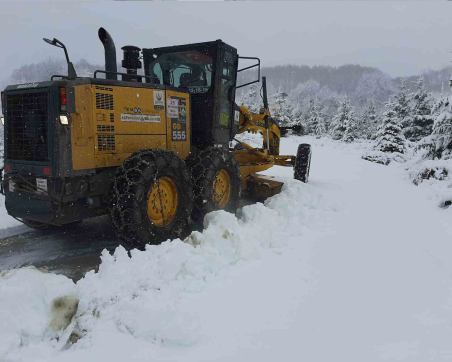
point(355, 266)
point(384, 275)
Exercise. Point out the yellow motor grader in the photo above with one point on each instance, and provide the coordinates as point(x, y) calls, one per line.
point(153, 149)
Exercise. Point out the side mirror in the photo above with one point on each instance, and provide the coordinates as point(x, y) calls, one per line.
point(51, 42)
point(55, 42)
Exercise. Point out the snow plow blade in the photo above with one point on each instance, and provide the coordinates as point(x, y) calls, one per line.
point(260, 187)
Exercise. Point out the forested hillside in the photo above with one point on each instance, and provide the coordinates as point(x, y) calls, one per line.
point(347, 101)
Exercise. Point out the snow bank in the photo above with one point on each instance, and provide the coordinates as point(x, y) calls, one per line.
point(357, 260)
point(26, 297)
point(151, 299)
point(383, 158)
point(434, 178)
point(6, 221)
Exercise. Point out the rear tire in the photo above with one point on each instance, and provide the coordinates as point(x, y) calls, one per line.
point(216, 181)
point(152, 198)
point(302, 162)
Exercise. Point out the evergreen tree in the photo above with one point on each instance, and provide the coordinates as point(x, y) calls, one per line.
point(389, 137)
point(351, 130)
point(344, 122)
point(252, 99)
point(369, 122)
point(402, 104)
point(442, 131)
point(439, 106)
point(315, 119)
point(320, 126)
point(420, 124)
point(297, 122)
point(282, 110)
point(310, 117)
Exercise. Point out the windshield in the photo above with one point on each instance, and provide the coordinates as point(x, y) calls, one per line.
point(190, 69)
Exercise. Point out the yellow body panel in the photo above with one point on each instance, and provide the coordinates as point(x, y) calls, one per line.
point(112, 122)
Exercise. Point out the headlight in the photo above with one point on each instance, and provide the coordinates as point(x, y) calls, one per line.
point(64, 120)
point(2, 119)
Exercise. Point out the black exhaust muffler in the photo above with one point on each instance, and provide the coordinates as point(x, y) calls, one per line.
point(111, 67)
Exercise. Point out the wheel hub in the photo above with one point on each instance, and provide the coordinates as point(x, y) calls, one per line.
point(162, 201)
point(222, 188)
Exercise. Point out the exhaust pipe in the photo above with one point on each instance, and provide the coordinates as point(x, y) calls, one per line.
point(110, 54)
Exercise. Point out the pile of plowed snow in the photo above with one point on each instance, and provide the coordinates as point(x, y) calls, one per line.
point(162, 300)
point(354, 266)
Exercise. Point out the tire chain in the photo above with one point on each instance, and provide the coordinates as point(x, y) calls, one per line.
point(199, 164)
point(129, 177)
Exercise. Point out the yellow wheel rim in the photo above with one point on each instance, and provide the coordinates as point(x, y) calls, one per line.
point(222, 188)
point(162, 201)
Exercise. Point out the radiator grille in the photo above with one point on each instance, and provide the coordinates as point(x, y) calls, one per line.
point(26, 126)
point(108, 89)
point(104, 101)
point(105, 128)
point(105, 142)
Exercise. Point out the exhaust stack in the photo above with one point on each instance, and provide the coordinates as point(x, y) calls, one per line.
point(110, 54)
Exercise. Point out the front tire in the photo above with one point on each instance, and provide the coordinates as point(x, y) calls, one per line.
point(302, 162)
point(152, 198)
point(216, 181)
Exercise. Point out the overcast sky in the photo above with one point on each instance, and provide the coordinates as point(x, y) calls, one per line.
point(401, 38)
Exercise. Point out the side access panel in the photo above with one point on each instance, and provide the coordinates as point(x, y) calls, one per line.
point(112, 122)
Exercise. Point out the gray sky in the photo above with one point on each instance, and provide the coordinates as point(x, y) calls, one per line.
point(401, 38)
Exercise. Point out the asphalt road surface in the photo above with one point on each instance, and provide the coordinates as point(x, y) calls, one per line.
point(71, 252)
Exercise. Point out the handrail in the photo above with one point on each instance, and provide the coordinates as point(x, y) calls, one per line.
point(126, 74)
point(58, 76)
point(258, 65)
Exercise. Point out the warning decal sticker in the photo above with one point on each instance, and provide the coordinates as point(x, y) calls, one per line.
point(172, 107)
point(177, 111)
point(159, 99)
point(146, 118)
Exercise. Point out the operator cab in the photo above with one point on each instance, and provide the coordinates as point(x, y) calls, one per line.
point(208, 71)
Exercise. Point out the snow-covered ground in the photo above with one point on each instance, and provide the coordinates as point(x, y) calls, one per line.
point(354, 266)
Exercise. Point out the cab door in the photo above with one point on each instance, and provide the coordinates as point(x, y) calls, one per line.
point(225, 93)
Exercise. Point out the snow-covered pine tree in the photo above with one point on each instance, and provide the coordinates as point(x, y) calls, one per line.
point(320, 127)
point(252, 100)
point(344, 122)
point(282, 110)
point(315, 119)
point(298, 125)
point(389, 137)
point(439, 106)
point(369, 121)
point(441, 137)
point(310, 117)
point(420, 122)
point(352, 131)
point(401, 105)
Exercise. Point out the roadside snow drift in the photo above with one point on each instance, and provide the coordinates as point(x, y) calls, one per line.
point(354, 266)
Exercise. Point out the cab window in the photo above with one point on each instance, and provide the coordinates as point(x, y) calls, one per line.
point(190, 69)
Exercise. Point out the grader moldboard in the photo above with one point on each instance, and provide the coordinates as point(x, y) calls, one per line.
point(154, 150)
